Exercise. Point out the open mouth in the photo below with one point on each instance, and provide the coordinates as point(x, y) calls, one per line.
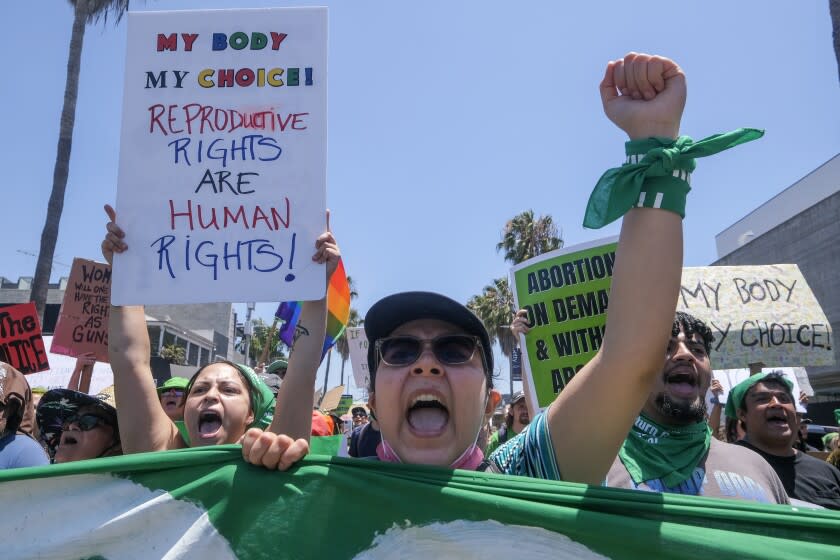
point(68, 439)
point(209, 423)
point(170, 403)
point(778, 419)
point(682, 383)
point(427, 416)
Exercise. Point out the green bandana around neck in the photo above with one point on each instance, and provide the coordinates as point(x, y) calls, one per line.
point(659, 179)
point(653, 452)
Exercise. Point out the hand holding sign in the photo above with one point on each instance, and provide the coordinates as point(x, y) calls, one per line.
point(644, 95)
point(326, 250)
point(520, 326)
point(113, 242)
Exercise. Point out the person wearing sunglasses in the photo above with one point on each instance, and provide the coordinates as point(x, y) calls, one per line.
point(431, 361)
point(77, 426)
point(171, 395)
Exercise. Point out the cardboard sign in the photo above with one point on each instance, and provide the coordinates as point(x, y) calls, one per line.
point(344, 404)
point(566, 293)
point(222, 178)
point(21, 344)
point(764, 314)
point(82, 325)
point(358, 344)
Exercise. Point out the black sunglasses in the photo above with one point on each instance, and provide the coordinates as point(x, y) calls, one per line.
point(449, 349)
point(86, 422)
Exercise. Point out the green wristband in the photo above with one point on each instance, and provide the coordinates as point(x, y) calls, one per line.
point(665, 193)
point(657, 175)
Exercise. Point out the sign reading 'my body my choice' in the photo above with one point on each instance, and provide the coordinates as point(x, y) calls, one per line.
point(222, 179)
point(764, 314)
point(566, 293)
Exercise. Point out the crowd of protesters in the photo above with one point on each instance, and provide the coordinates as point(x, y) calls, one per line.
point(634, 417)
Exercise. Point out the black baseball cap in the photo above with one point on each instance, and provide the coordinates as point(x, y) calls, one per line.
point(392, 311)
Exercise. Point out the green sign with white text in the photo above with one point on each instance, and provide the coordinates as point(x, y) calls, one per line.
point(566, 293)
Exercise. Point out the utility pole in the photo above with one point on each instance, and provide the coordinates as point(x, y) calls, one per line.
point(249, 329)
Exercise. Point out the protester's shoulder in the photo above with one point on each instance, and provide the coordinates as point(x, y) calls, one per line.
point(813, 463)
point(529, 453)
point(738, 450)
point(736, 453)
point(23, 451)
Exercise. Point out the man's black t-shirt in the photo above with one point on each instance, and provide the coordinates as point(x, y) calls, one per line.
point(805, 478)
point(363, 441)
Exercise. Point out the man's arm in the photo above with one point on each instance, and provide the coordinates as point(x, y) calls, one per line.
point(590, 419)
point(144, 426)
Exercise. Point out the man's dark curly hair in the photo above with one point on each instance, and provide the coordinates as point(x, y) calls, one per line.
point(690, 325)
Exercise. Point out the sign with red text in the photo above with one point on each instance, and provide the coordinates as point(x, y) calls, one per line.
point(82, 325)
point(222, 178)
point(765, 314)
point(21, 344)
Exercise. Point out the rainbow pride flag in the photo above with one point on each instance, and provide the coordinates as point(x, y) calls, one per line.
point(338, 311)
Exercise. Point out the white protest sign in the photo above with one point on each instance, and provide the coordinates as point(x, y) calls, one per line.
point(61, 369)
point(222, 178)
point(758, 314)
point(358, 344)
point(728, 378)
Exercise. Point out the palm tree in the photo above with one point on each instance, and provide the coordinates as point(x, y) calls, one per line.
point(84, 12)
point(342, 345)
point(834, 9)
point(524, 237)
point(495, 307)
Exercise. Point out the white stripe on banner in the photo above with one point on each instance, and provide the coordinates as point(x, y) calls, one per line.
point(642, 198)
point(657, 203)
point(119, 517)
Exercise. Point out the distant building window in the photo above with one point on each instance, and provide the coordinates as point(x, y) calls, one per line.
point(168, 338)
point(205, 357)
point(192, 358)
point(154, 338)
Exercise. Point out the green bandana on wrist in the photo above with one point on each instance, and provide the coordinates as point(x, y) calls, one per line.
point(653, 452)
point(656, 175)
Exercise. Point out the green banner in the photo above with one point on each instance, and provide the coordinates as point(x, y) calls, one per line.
point(566, 294)
point(207, 503)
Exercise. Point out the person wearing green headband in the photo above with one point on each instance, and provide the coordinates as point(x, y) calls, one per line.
point(766, 405)
point(830, 441)
point(222, 399)
point(171, 395)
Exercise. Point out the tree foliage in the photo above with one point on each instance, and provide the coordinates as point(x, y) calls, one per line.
point(259, 338)
point(495, 307)
point(525, 236)
point(174, 354)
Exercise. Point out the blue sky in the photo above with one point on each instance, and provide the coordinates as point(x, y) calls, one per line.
point(448, 118)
